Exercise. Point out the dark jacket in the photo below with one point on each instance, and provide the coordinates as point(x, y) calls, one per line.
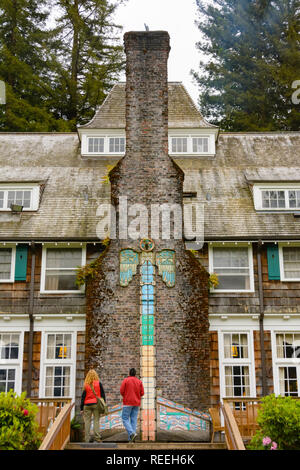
point(84, 395)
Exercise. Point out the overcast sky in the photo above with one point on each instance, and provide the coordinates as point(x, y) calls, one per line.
point(178, 18)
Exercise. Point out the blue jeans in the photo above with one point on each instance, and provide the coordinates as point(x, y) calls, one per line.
point(129, 418)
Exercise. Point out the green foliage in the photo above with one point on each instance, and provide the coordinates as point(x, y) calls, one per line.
point(84, 273)
point(75, 423)
point(18, 426)
point(252, 57)
point(279, 419)
point(86, 56)
point(56, 73)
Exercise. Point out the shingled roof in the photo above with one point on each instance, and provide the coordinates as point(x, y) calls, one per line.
point(242, 159)
point(183, 112)
point(74, 186)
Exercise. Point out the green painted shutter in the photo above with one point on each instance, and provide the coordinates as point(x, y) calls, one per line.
point(21, 263)
point(273, 262)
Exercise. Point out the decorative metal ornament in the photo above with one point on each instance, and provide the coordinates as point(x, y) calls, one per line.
point(147, 244)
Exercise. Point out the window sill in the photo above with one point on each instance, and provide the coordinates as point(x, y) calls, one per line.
point(58, 292)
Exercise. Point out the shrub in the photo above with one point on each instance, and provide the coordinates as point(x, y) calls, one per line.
point(18, 425)
point(278, 419)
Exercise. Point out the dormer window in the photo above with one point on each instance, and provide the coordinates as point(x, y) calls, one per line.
point(277, 198)
point(25, 197)
point(191, 144)
point(103, 145)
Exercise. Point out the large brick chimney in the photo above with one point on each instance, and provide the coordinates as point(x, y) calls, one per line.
point(173, 354)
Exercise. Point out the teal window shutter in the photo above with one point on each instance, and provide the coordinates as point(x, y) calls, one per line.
point(273, 262)
point(21, 263)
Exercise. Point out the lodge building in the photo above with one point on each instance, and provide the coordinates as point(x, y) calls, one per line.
point(150, 306)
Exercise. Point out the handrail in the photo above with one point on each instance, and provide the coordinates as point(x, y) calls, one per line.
point(59, 433)
point(233, 437)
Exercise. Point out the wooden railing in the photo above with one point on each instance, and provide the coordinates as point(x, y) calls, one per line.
point(49, 408)
point(245, 412)
point(233, 436)
point(59, 433)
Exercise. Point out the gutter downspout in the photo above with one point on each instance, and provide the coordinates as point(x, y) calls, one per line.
point(31, 321)
point(261, 321)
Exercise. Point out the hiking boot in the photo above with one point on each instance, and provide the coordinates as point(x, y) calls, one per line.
point(132, 437)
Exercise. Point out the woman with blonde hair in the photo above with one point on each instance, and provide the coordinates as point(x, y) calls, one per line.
point(92, 387)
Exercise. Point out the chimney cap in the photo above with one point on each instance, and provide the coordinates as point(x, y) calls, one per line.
point(150, 40)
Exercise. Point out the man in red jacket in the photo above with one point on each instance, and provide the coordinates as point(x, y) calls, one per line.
point(131, 390)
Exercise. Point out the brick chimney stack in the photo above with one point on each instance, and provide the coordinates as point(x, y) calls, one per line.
point(169, 344)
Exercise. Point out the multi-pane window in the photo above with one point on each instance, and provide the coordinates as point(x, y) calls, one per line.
point(236, 346)
point(7, 379)
point(200, 144)
point(9, 346)
point(288, 381)
point(288, 345)
point(60, 269)
point(6, 264)
point(236, 364)
point(96, 144)
point(190, 144)
point(27, 197)
point(106, 144)
point(179, 144)
point(57, 364)
point(10, 361)
point(22, 198)
point(116, 144)
point(291, 262)
point(287, 358)
point(233, 266)
point(273, 199)
point(59, 346)
point(57, 381)
point(237, 381)
point(294, 199)
point(276, 198)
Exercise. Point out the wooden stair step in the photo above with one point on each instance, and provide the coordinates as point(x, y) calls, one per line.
point(146, 446)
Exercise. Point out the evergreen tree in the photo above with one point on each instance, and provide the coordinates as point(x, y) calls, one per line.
point(24, 67)
point(87, 55)
point(254, 57)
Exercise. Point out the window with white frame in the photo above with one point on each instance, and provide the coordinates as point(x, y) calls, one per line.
point(59, 269)
point(7, 264)
point(26, 196)
point(116, 144)
point(58, 364)
point(287, 368)
point(10, 361)
point(179, 144)
point(237, 364)
point(190, 144)
point(200, 144)
point(277, 198)
point(96, 144)
point(105, 145)
point(289, 263)
point(233, 266)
